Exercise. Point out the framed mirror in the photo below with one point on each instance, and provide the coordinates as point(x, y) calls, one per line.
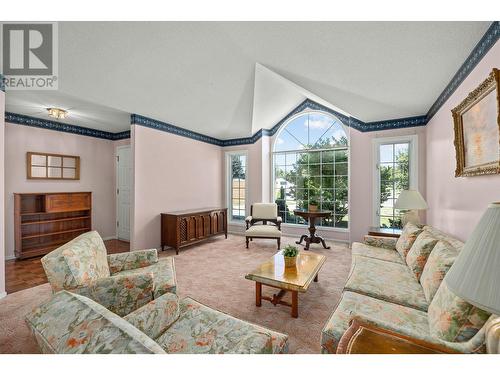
point(44, 166)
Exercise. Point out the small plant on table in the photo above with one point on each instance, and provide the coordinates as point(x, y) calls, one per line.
point(290, 253)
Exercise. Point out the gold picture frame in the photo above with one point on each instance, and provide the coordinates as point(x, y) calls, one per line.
point(477, 129)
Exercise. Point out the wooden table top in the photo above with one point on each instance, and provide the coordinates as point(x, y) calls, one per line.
point(273, 272)
point(307, 213)
point(388, 232)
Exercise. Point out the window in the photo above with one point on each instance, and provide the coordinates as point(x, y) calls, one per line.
point(237, 171)
point(395, 170)
point(310, 165)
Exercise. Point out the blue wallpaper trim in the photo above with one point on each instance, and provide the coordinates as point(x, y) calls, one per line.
point(482, 47)
point(169, 128)
point(2, 83)
point(15, 118)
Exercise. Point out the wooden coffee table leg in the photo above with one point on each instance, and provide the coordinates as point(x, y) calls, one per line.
point(258, 294)
point(295, 304)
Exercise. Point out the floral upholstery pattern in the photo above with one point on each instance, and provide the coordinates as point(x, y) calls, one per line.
point(71, 323)
point(77, 262)
point(157, 316)
point(436, 233)
point(200, 329)
point(163, 274)
point(453, 319)
point(386, 281)
point(379, 241)
point(408, 236)
point(120, 294)
point(132, 260)
point(397, 318)
point(439, 262)
point(419, 252)
point(361, 249)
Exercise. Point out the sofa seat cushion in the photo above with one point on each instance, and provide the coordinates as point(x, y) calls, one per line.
point(71, 323)
point(163, 275)
point(407, 238)
point(419, 252)
point(439, 262)
point(157, 316)
point(202, 330)
point(381, 253)
point(453, 319)
point(387, 281)
point(268, 231)
point(385, 314)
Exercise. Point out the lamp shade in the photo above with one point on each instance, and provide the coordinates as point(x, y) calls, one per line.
point(410, 200)
point(475, 275)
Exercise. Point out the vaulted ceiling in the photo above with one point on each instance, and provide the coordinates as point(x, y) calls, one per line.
point(202, 75)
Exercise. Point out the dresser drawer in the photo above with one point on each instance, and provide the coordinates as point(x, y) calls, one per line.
point(67, 202)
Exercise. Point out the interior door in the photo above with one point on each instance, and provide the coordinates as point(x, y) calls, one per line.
point(123, 192)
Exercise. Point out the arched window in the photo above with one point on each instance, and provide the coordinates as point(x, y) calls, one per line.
point(310, 164)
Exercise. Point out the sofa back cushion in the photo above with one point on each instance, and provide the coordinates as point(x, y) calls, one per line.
point(419, 252)
point(77, 262)
point(71, 323)
point(439, 262)
point(440, 235)
point(408, 236)
point(265, 211)
point(453, 319)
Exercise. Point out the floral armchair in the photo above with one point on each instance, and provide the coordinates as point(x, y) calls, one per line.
point(120, 282)
point(267, 213)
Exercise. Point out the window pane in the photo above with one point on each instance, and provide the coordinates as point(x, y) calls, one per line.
point(56, 161)
point(238, 186)
point(341, 156)
point(341, 169)
point(327, 169)
point(327, 156)
point(386, 153)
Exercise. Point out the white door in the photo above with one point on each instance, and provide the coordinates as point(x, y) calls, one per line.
point(123, 183)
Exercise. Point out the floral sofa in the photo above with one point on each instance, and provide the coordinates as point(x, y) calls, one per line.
point(120, 282)
point(72, 323)
point(400, 285)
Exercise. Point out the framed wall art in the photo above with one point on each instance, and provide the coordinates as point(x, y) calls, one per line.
point(477, 130)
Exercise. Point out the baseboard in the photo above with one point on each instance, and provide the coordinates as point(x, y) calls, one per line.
point(3, 294)
point(109, 238)
point(10, 257)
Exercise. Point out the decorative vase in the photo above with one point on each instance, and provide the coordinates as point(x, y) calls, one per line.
point(313, 208)
point(290, 261)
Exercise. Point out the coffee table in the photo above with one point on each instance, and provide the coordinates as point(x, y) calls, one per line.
point(296, 279)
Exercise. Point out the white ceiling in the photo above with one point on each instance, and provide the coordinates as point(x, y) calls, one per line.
point(201, 75)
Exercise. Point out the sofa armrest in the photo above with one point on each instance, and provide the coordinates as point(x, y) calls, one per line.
point(364, 337)
point(157, 316)
point(379, 241)
point(120, 294)
point(132, 260)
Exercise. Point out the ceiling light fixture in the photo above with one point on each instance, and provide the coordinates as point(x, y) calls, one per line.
point(57, 113)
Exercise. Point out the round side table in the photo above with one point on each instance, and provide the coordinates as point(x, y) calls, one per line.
point(311, 217)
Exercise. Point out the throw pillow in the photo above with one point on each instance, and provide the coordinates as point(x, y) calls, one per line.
point(408, 236)
point(439, 262)
point(453, 319)
point(419, 252)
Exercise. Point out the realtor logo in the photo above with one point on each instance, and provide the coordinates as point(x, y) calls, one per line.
point(29, 56)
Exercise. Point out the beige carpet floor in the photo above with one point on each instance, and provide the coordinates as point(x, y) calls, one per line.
point(213, 274)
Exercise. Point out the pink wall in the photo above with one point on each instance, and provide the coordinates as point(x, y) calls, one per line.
point(170, 173)
point(2, 200)
point(456, 204)
point(97, 173)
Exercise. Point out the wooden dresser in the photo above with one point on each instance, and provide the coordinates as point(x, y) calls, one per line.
point(183, 228)
point(45, 221)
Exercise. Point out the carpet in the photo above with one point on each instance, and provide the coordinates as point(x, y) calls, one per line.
point(213, 274)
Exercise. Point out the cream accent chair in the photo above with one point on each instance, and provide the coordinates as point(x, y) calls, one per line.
point(267, 213)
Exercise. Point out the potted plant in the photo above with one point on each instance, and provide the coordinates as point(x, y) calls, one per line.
point(290, 254)
point(313, 205)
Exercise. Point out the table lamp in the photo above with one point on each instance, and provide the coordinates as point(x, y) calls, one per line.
point(475, 274)
point(411, 201)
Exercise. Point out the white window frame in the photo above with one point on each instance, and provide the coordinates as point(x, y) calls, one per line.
point(413, 153)
point(272, 145)
point(229, 202)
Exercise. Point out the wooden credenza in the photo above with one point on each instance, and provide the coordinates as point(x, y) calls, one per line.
point(183, 228)
point(45, 221)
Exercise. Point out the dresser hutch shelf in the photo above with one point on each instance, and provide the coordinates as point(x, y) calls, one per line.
point(45, 221)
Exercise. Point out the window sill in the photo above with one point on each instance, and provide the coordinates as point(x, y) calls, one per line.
point(301, 226)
